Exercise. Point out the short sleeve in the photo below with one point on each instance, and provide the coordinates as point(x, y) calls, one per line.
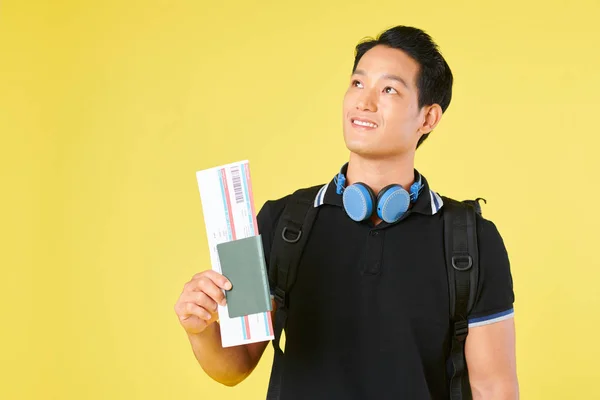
point(265, 229)
point(495, 295)
point(267, 220)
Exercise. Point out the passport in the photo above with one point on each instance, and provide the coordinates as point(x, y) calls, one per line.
point(243, 263)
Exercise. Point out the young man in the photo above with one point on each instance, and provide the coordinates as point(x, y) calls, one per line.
point(368, 314)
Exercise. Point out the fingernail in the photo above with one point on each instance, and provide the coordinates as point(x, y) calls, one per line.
point(223, 302)
point(228, 285)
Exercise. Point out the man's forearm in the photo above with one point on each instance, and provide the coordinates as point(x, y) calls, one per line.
point(501, 390)
point(229, 365)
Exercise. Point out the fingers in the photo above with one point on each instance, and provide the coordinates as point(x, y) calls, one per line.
point(190, 309)
point(196, 304)
point(196, 307)
point(218, 279)
point(201, 295)
point(201, 299)
point(209, 282)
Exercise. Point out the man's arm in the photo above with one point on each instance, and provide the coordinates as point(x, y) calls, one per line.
point(197, 312)
point(490, 344)
point(491, 361)
point(230, 365)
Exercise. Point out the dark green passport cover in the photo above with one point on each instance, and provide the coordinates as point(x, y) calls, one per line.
point(243, 263)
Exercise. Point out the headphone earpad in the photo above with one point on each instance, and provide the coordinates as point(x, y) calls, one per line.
point(392, 202)
point(359, 201)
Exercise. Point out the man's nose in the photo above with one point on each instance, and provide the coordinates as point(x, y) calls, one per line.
point(367, 101)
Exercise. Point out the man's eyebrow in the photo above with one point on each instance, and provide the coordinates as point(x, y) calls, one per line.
point(396, 78)
point(385, 76)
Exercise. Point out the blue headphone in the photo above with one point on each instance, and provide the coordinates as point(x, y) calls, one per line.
point(391, 202)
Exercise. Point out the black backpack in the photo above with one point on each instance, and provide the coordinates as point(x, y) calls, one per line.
point(462, 265)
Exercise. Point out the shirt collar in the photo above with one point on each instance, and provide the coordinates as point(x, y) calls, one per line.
point(428, 203)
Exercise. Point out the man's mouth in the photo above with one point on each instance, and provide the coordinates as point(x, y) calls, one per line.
point(363, 123)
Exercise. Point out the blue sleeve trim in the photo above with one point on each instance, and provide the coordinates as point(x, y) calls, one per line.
point(492, 318)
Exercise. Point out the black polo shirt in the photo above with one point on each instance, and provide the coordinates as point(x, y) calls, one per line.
point(369, 313)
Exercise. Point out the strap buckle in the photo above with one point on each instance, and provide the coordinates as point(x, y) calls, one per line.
point(461, 329)
point(462, 262)
point(292, 240)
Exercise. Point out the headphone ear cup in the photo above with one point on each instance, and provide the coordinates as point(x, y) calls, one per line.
point(392, 202)
point(385, 190)
point(359, 201)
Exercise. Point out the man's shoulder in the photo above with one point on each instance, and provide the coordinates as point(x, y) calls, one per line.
point(494, 297)
point(279, 203)
point(273, 208)
point(485, 225)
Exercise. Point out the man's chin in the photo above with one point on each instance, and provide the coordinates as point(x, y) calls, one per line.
point(368, 152)
point(363, 151)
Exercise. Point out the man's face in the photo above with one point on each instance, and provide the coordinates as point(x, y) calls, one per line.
point(381, 114)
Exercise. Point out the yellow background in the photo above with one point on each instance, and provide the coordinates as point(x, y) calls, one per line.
point(108, 108)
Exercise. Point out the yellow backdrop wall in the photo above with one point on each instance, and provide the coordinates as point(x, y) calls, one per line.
point(107, 109)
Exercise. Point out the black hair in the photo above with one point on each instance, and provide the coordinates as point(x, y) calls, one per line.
point(434, 79)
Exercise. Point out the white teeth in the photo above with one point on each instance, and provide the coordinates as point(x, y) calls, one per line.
point(362, 123)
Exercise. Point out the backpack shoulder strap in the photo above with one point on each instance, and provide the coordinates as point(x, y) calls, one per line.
point(462, 266)
point(291, 235)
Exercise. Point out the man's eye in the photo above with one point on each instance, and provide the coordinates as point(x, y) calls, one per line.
point(356, 84)
point(390, 90)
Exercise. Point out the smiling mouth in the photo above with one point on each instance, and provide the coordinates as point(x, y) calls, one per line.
point(363, 124)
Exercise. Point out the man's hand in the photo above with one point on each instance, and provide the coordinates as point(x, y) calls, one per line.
point(197, 304)
point(197, 311)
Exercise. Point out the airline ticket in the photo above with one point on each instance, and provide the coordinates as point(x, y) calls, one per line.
point(229, 214)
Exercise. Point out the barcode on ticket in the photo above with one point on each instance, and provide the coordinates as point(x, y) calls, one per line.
point(236, 178)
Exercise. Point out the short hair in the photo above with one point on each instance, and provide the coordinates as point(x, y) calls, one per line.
point(434, 79)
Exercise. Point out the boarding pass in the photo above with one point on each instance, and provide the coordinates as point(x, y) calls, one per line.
point(229, 214)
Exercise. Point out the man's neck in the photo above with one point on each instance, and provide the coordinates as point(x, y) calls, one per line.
point(378, 173)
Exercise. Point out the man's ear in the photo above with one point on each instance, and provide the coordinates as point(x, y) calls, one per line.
point(431, 117)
